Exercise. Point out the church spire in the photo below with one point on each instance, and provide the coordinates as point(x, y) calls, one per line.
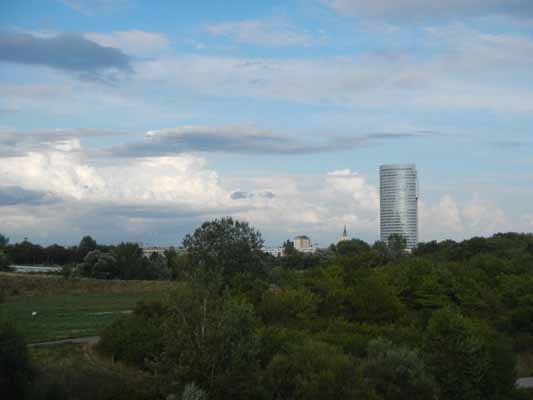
point(344, 235)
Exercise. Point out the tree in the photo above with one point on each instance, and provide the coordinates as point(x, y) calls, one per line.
point(26, 252)
point(59, 255)
point(396, 373)
point(288, 248)
point(193, 392)
point(97, 264)
point(87, 244)
point(155, 268)
point(467, 359)
point(212, 341)
point(4, 241)
point(393, 248)
point(310, 369)
point(397, 245)
point(4, 261)
point(129, 259)
point(352, 247)
point(221, 249)
point(16, 374)
point(178, 264)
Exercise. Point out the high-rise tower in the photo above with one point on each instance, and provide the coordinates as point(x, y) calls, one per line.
point(399, 202)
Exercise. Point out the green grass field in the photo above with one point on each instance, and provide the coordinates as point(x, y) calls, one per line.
point(72, 309)
point(69, 315)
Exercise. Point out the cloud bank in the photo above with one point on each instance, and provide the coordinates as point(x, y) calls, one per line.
point(67, 52)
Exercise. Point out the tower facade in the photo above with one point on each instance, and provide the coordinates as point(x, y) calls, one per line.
point(399, 202)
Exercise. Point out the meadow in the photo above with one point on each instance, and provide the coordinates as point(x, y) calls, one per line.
point(48, 307)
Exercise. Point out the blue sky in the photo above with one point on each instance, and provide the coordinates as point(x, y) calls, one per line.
point(132, 120)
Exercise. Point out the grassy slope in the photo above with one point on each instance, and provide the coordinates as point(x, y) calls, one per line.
point(84, 374)
point(70, 308)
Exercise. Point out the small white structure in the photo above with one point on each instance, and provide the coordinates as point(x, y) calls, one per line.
point(275, 251)
point(148, 251)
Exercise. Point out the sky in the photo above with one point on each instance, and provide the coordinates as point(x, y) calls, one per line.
point(132, 120)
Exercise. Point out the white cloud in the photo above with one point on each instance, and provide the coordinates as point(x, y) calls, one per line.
point(134, 42)
point(466, 70)
point(484, 218)
point(450, 219)
point(261, 32)
point(316, 205)
point(136, 197)
point(64, 170)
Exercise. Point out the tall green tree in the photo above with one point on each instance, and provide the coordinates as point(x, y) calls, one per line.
point(129, 260)
point(211, 341)
point(396, 373)
point(4, 241)
point(87, 244)
point(468, 360)
point(221, 249)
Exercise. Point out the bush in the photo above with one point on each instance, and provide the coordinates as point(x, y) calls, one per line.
point(136, 339)
point(311, 370)
point(396, 373)
point(4, 262)
point(16, 374)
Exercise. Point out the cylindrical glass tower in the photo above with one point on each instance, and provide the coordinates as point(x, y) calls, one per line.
point(399, 202)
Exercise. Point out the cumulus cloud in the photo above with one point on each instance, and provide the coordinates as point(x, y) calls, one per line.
point(134, 42)
point(411, 10)
point(261, 32)
point(61, 189)
point(67, 52)
point(65, 171)
point(318, 205)
point(450, 219)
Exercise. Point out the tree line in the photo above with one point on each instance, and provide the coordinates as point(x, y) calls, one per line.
point(354, 321)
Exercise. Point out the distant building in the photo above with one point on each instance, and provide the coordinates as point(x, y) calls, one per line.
point(275, 251)
point(148, 251)
point(399, 202)
point(303, 244)
point(344, 236)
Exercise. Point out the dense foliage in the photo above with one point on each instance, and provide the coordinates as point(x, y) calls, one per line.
point(89, 259)
point(352, 322)
point(16, 374)
point(355, 321)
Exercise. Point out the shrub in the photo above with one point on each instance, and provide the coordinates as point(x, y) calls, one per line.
point(137, 338)
point(16, 373)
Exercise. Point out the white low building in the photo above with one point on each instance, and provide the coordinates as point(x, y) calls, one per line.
point(148, 251)
point(275, 251)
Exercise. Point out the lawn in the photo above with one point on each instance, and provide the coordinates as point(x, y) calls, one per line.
point(69, 315)
point(72, 309)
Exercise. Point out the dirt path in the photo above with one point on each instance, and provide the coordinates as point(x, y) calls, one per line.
point(81, 340)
